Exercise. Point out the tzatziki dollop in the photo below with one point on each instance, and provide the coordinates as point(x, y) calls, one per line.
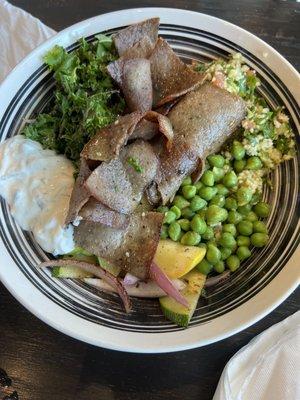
point(37, 185)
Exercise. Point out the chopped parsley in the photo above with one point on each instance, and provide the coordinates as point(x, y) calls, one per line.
point(135, 164)
point(265, 133)
point(84, 100)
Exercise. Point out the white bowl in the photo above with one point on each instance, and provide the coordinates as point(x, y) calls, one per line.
point(266, 280)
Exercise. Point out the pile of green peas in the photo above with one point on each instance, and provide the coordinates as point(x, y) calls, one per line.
point(217, 214)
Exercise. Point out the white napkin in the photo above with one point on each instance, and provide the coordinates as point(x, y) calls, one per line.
point(268, 368)
point(20, 33)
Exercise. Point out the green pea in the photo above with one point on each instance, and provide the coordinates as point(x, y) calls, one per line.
point(169, 217)
point(164, 232)
point(230, 179)
point(227, 240)
point(243, 241)
point(163, 209)
point(244, 196)
point(219, 267)
point(256, 198)
point(198, 185)
point(208, 178)
point(215, 214)
point(191, 238)
point(234, 217)
point(233, 263)
point(180, 236)
point(202, 213)
point(231, 203)
point(208, 234)
point(254, 163)
point(244, 210)
point(245, 228)
point(259, 227)
point(239, 165)
point(204, 267)
point(259, 239)
point(211, 242)
point(202, 245)
point(218, 173)
point(176, 211)
point(184, 224)
point(207, 193)
point(187, 213)
point(238, 150)
point(222, 190)
point(216, 160)
point(251, 216)
point(225, 252)
point(180, 202)
point(189, 191)
point(230, 228)
point(174, 231)
point(218, 200)
point(262, 209)
point(213, 254)
point(186, 181)
point(197, 203)
point(243, 252)
point(198, 224)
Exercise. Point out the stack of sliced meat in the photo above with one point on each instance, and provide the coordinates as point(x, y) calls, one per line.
point(174, 121)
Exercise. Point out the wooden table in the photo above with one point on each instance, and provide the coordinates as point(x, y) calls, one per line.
point(45, 364)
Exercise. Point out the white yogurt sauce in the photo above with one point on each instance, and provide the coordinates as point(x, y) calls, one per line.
point(37, 185)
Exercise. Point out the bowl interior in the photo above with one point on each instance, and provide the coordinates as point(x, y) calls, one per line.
point(255, 274)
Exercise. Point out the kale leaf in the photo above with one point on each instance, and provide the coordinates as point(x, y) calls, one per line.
point(84, 100)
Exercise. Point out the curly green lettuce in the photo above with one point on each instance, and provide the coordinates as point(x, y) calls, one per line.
point(85, 98)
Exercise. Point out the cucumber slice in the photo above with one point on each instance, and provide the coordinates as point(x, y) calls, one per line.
point(78, 251)
point(82, 257)
point(113, 269)
point(69, 272)
point(74, 272)
point(77, 273)
point(176, 312)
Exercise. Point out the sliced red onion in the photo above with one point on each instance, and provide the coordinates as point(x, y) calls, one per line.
point(130, 279)
point(217, 279)
point(166, 284)
point(178, 283)
point(95, 270)
point(141, 289)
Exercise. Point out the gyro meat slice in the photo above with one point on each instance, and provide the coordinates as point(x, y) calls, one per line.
point(97, 212)
point(130, 36)
point(164, 125)
point(134, 78)
point(202, 121)
point(141, 49)
point(108, 141)
point(171, 77)
point(120, 183)
point(175, 165)
point(152, 124)
point(145, 130)
point(80, 194)
point(167, 107)
point(206, 118)
point(131, 248)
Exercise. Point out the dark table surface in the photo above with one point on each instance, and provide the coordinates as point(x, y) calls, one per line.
point(45, 364)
